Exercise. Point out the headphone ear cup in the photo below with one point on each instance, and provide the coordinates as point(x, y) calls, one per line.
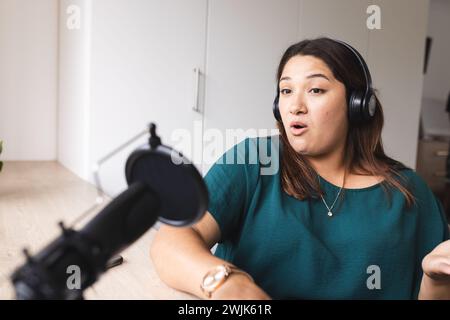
point(370, 106)
point(275, 109)
point(355, 107)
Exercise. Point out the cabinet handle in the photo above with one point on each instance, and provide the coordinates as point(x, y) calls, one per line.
point(440, 174)
point(196, 107)
point(441, 153)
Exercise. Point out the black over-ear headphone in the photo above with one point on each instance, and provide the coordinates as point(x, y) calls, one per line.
point(361, 104)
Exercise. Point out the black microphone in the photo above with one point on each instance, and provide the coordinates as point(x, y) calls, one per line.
point(162, 184)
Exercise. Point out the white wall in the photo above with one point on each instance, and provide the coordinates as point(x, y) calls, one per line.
point(436, 86)
point(394, 55)
point(28, 79)
point(437, 78)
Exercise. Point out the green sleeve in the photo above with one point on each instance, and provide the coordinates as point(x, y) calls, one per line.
point(231, 183)
point(444, 219)
point(433, 219)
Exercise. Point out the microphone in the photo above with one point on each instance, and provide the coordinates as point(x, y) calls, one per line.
point(162, 185)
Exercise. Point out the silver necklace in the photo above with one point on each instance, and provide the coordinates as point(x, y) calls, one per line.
point(330, 212)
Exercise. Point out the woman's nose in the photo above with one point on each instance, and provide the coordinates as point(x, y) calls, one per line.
point(297, 105)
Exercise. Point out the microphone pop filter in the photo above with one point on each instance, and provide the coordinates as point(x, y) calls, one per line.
point(176, 182)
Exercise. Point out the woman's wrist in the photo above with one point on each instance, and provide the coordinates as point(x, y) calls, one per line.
point(220, 275)
point(432, 288)
point(236, 283)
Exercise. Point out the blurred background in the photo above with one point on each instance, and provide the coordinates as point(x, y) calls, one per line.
point(79, 77)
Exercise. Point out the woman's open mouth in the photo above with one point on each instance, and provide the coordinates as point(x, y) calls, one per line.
point(298, 128)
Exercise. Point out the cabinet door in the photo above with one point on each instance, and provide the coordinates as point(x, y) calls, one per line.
point(343, 19)
point(142, 69)
point(246, 40)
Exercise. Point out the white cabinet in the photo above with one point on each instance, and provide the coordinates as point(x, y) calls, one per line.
point(142, 55)
point(343, 19)
point(246, 40)
point(141, 69)
point(74, 86)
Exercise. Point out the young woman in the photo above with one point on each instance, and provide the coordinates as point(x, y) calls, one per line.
point(338, 220)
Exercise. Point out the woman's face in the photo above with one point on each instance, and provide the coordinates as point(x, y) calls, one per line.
point(310, 96)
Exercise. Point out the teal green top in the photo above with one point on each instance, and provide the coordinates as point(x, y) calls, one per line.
point(369, 248)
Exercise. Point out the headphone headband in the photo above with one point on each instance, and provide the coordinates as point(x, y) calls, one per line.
point(363, 64)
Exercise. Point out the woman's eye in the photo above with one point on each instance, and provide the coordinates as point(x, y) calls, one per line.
point(285, 91)
point(316, 90)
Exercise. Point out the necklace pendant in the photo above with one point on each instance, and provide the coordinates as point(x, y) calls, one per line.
point(330, 214)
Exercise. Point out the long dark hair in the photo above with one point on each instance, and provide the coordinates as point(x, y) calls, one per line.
point(364, 149)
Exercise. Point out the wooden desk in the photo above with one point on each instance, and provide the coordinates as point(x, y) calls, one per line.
point(34, 196)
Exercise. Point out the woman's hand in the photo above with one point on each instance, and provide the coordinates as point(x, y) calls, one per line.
point(436, 264)
point(436, 273)
point(239, 287)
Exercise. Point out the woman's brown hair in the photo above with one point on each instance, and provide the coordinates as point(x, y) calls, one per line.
point(364, 149)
